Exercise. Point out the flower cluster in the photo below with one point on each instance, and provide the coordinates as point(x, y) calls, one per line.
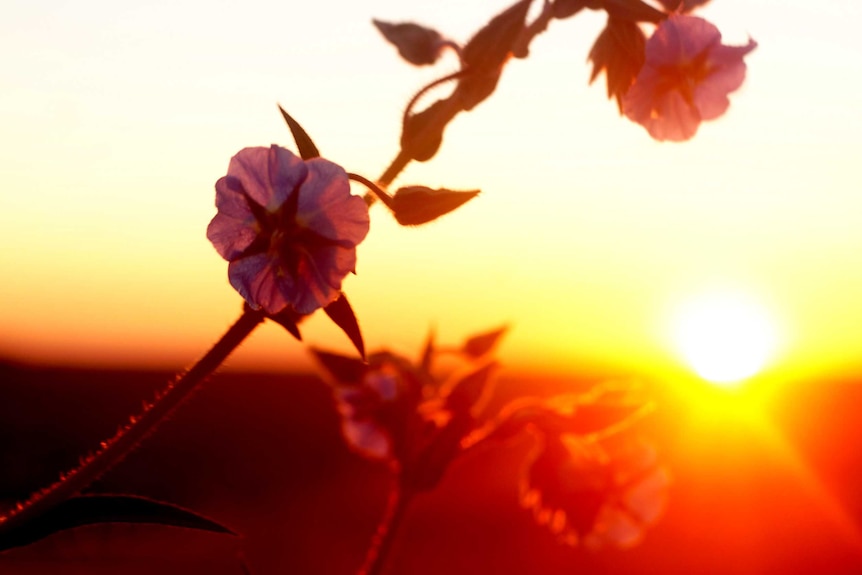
point(590, 479)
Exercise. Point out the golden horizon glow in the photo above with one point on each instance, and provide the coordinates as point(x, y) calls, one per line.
point(118, 120)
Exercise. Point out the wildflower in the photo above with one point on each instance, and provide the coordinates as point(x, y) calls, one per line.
point(686, 78)
point(289, 228)
point(375, 410)
point(595, 494)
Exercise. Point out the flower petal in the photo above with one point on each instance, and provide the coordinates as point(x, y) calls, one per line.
point(233, 228)
point(286, 173)
point(320, 273)
point(680, 39)
point(267, 175)
point(667, 116)
point(259, 280)
point(728, 73)
point(327, 207)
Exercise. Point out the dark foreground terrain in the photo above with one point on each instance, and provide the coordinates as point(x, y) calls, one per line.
point(263, 455)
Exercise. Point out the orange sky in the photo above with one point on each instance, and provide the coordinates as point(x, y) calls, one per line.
point(118, 120)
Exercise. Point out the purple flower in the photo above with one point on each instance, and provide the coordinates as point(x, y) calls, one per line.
point(685, 79)
point(597, 494)
point(289, 228)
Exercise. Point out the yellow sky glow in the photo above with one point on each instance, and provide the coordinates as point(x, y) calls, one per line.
point(117, 121)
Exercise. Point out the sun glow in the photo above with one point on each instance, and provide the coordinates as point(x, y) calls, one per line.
point(725, 337)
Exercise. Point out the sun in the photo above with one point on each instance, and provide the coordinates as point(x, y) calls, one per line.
point(726, 337)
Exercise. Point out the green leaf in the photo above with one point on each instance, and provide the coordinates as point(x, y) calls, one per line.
point(342, 314)
point(416, 44)
point(306, 147)
point(480, 344)
point(93, 509)
point(416, 205)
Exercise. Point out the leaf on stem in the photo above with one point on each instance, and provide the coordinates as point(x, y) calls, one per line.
point(304, 145)
point(482, 343)
point(620, 52)
point(634, 11)
point(342, 314)
point(93, 509)
point(422, 133)
point(468, 394)
point(566, 8)
point(485, 54)
point(417, 44)
point(416, 205)
point(428, 352)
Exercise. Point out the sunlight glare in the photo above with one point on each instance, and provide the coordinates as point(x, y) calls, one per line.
point(725, 337)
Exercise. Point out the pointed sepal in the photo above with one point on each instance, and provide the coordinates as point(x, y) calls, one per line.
point(304, 144)
point(288, 319)
point(482, 343)
point(342, 314)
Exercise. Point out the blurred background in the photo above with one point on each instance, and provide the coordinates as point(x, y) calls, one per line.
point(594, 243)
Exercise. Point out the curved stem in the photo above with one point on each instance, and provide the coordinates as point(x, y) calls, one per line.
point(378, 191)
point(434, 84)
point(396, 507)
point(116, 448)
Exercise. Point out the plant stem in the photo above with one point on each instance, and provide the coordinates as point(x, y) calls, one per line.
point(396, 506)
point(116, 448)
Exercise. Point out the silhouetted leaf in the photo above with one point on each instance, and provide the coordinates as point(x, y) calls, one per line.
point(415, 205)
point(485, 54)
point(480, 344)
point(491, 45)
point(682, 5)
point(92, 509)
point(422, 132)
point(467, 393)
point(416, 44)
point(342, 314)
point(620, 52)
point(427, 353)
point(567, 8)
point(633, 11)
point(304, 145)
point(345, 370)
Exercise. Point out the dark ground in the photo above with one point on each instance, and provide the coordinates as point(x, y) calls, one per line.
point(263, 455)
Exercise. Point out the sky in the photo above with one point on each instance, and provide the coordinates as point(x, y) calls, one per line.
point(116, 119)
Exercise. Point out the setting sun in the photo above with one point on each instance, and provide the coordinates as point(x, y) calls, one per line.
point(725, 337)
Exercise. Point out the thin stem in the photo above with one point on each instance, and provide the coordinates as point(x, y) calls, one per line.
point(409, 109)
point(396, 507)
point(378, 191)
point(115, 449)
